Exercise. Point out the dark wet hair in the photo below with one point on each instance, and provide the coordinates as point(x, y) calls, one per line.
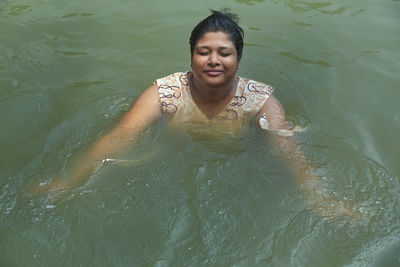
point(219, 21)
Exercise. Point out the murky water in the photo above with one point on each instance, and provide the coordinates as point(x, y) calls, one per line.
point(70, 69)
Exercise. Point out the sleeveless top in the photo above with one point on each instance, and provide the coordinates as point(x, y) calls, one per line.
point(176, 101)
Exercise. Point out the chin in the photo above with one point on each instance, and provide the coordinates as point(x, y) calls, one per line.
point(219, 80)
point(215, 83)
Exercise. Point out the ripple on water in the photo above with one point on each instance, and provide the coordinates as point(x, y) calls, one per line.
point(249, 2)
point(70, 15)
point(299, 59)
point(303, 24)
point(24, 112)
point(7, 87)
point(78, 85)
point(321, 7)
point(370, 190)
point(7, 199)
point(73, 53)
point(17, 10)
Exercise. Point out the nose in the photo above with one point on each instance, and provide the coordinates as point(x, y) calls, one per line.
point(213, 59)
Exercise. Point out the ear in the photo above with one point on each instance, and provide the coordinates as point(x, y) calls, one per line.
point(238, 64)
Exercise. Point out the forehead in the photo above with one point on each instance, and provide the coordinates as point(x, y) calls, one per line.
point(215, 39)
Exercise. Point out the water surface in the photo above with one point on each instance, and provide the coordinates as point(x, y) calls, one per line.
point(69, 71)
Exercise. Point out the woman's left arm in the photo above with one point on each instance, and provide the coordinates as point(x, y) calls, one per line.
point(272, 118)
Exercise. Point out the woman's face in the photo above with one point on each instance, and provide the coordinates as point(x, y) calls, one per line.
point(215, 60)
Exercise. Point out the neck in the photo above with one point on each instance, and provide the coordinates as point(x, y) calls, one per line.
point(211, 94)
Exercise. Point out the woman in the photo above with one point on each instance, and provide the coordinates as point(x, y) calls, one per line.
point(210, 94)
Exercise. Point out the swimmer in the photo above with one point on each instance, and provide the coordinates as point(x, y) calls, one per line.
point(209, 94)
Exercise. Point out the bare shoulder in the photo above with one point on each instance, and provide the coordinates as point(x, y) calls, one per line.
point(149, 96)
point(145, 109)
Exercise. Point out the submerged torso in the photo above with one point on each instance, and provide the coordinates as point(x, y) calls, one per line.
point(178, 104)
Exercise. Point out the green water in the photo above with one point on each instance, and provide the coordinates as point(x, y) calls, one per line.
point(70, 69)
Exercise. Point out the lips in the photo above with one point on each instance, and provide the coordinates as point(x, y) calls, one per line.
point(214, 73)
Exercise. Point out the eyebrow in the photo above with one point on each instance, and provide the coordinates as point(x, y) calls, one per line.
point(219, 48)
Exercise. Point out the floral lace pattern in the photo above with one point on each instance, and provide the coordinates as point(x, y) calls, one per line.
point(176, 99)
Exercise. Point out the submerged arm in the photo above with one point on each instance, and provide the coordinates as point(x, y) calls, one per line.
point(272, 118)
point(145, 110)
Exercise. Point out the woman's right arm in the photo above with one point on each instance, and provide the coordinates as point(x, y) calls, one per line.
point(144, 111)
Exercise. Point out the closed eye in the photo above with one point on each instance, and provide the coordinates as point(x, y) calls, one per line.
point(225, 54)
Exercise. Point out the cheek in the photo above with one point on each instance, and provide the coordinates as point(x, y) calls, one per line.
point(196, 61)
point(233, 65)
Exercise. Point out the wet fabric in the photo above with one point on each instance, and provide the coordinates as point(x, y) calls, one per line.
point(177, 101)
